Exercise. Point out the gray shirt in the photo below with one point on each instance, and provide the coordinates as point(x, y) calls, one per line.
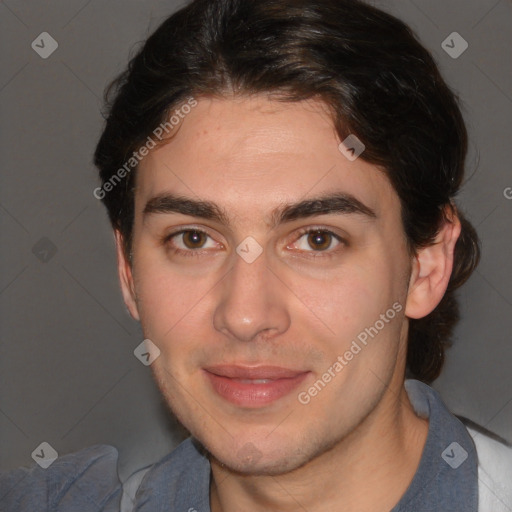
point(446, 479)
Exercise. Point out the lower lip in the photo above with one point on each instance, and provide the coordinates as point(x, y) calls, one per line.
point(251, 394)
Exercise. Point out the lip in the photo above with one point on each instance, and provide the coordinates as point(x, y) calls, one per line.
point(253, 386)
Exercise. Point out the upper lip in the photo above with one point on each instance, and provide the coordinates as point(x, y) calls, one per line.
point(253, 372)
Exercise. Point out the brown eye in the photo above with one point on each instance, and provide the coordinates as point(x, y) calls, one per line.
point(316, 241)
point(194, 239)
point(190, 242)
point(319, 240)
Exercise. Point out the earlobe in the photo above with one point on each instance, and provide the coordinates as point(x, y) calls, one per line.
point(126, 277)
point(431, 270)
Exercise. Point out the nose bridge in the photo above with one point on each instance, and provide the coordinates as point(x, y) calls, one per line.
point(251, 301)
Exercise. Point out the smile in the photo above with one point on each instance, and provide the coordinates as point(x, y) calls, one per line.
point(253, 387)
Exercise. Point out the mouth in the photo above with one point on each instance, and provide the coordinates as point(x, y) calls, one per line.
point(253, 386)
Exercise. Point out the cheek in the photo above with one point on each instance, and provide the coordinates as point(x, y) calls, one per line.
point(349, 298)
point(171, 305)
point(346, 320)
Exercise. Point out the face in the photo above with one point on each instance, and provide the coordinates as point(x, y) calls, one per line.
point(279, 322)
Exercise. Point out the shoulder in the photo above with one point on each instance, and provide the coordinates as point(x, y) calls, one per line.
point(86, 479)
point(494, 469)
point(179, 479)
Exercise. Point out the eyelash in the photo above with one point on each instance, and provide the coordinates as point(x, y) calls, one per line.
point(304, 231)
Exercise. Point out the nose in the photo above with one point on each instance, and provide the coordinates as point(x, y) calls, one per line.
point(252, 302)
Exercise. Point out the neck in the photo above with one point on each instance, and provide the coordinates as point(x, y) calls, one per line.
point(369, 470)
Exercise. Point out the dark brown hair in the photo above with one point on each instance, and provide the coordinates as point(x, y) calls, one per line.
point(367, 66)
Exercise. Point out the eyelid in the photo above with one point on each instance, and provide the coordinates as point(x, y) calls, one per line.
point(177, 230)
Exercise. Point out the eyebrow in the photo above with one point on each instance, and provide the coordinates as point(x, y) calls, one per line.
point(333, 203)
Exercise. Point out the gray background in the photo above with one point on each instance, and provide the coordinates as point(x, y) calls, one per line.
point(68, 375)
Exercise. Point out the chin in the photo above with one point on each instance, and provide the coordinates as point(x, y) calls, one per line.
point(262, 465)
point(260, 458)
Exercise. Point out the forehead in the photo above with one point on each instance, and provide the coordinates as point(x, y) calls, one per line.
point(248, 154)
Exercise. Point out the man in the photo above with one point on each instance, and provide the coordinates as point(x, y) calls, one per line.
point(280, 176)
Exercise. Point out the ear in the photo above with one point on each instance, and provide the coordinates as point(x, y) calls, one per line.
point(124, 269)
point(432, 268)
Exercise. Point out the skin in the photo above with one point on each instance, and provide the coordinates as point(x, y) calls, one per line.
point(357, 444)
